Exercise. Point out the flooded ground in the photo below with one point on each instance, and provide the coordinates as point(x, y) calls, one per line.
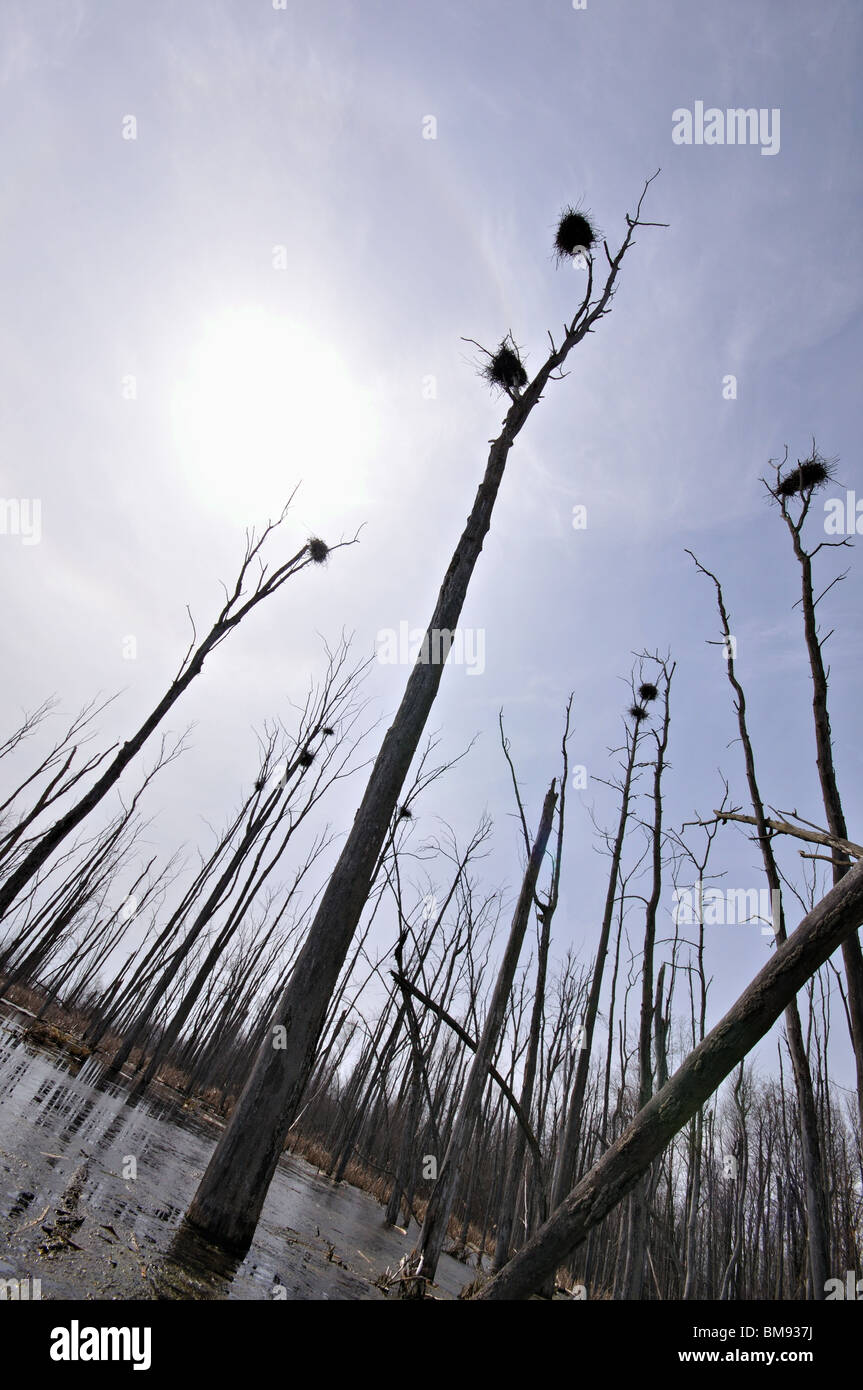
point(73, 1217)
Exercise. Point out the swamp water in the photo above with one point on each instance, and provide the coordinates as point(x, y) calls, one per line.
point(72, 1218)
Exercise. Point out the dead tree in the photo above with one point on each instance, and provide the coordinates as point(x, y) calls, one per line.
point(698, 1020)
point(569, 1141)
point(812, 1159)
point(75, 875)
point(286, 790)
point(232, 613)
point(437, 1215)
point(636, 1242)
point(804, 482)
point(51, 779)
point(500, 1081)
point(738, 1174)
point(546, 911)
point(821, 932)
point(228, 1202)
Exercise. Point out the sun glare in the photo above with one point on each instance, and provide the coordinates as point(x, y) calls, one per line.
point(263, 406)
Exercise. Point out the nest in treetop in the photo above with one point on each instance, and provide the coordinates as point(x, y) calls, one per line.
point(647, 691)
point(306, 758)
point(809, 474)
point(637, 712)
point(405, 813)
point(318, 549)
point(505, 368)
point(575, 234)
point(327, 732)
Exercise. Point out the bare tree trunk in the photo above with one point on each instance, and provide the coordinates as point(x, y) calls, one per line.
point(500, 1081)
point(851, 952)
point(739, 1179)
point(437, 1215)
point(401, 1181)
point(228, 1202)
point(572, 1129)
point(232, 614)
point(820, 933)
point(636, 1244)
point(509, 1197)
point(810, 1145)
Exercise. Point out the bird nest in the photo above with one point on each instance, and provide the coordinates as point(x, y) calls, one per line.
point(318, 549)
point(809, 475)
point(576, 234)
point(504, 368)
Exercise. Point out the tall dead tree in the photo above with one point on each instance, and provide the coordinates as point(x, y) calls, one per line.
point(229, 1199)
point(231, 615)
point(698, 1020)
point(636, 1242)
point(51, 779)
point(816, 1214)
point(546, 911)
point(820, 933)
point(803, 482)
point(433, 1234)
point(289, 784)
point(569, 1141)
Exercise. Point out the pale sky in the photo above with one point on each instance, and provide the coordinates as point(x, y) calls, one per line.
point(269, 138)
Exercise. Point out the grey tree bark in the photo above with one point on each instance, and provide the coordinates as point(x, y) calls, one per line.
point(500, 1081)
point(563, 1174)
point(440, 1202)
point(820, 933)
point(852, 955)
point(816, 1216)
point(512, 1180)
point(228, 1202)
point(636, 1244)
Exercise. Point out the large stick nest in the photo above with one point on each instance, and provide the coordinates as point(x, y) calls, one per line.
point(576, 235)
point(809, 475)
point(318, 549)
point(504, 368)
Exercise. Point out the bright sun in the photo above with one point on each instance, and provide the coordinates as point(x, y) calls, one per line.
point(264, 406)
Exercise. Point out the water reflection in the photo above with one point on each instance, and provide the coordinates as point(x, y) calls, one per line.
point(192, 1268)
